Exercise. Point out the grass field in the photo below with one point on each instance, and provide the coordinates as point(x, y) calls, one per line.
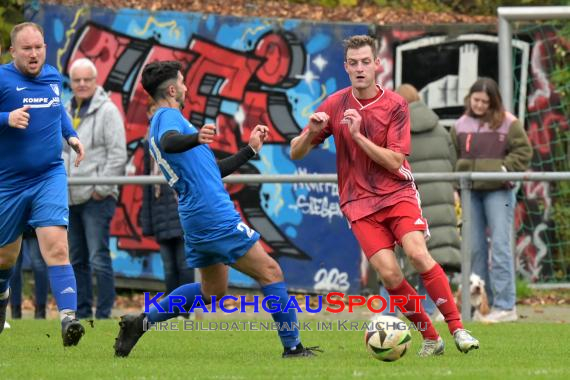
point(33, 350)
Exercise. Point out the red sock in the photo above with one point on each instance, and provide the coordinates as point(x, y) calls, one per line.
point(418, 317)
point(437, 286)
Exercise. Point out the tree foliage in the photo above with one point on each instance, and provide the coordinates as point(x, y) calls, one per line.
point(11, 13)
point(474, 7)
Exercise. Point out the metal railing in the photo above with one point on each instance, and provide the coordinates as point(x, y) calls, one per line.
point(330, 178)
point(465, 181)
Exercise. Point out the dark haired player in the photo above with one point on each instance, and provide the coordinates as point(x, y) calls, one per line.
point(214, 234)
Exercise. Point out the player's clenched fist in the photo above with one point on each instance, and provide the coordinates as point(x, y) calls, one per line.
point(19, 118)
point(317, 121)
point(258, 136)
point(353, 119)
point(207, 134)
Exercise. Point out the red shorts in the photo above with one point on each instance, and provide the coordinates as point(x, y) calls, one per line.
point(385, 228)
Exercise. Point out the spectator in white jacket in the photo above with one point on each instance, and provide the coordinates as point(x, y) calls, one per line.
point(99, 124)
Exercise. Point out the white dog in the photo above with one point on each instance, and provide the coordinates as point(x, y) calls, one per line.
point(478, 297)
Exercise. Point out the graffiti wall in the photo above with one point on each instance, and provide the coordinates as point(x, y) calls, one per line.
point(239, 73)
point(244, 71)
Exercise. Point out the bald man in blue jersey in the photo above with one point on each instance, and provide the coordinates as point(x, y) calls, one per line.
point(33, 181)
point(214, 234)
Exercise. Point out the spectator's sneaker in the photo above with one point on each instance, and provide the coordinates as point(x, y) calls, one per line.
point(3, 311)
point(71, 331)
point(300, 352)
point(131, 329)
point(498, 316)
point(464, 341)
point(432, 348)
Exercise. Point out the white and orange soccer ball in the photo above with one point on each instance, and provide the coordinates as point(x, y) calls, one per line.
point(387, 338)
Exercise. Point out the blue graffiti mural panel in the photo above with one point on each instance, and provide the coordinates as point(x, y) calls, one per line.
point(239, 72)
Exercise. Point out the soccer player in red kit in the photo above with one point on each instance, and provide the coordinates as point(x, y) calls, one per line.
point(371, 129)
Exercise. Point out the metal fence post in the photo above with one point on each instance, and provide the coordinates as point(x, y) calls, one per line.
point(465, 184)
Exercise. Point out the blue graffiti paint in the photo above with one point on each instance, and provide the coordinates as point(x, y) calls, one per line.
point(319, 43)
point(169, 28)
point(58, 30)
point(304, 214)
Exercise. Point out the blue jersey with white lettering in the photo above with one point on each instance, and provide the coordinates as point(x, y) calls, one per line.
point(204, 204)
point(27, 154)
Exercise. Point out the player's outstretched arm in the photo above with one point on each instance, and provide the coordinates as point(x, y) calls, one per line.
point(175, 142)
point(302, 144)
point(256, 139)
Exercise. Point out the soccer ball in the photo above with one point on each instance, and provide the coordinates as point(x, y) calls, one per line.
point(387, 338)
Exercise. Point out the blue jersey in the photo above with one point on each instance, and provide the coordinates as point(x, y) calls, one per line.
point(29, 154)
point(204, 204)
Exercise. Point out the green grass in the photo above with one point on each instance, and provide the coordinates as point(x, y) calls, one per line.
point(33, 350)
point(523, 290)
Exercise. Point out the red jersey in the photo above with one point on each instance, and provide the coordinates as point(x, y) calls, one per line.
point(364, 186)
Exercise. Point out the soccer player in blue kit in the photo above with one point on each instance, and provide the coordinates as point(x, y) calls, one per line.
point(214, 234)
point(33, 182)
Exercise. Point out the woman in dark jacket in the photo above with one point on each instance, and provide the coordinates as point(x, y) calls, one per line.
point(489, 139)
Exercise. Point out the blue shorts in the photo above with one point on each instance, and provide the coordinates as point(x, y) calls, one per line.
point(224, 246)
point(40, 204)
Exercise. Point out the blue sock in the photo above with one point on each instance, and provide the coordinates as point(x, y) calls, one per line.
point(289, 337)
point(63, 286)
point(5, 276)
point(188, 291)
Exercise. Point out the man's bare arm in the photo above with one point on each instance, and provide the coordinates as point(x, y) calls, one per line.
point(302, 144)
